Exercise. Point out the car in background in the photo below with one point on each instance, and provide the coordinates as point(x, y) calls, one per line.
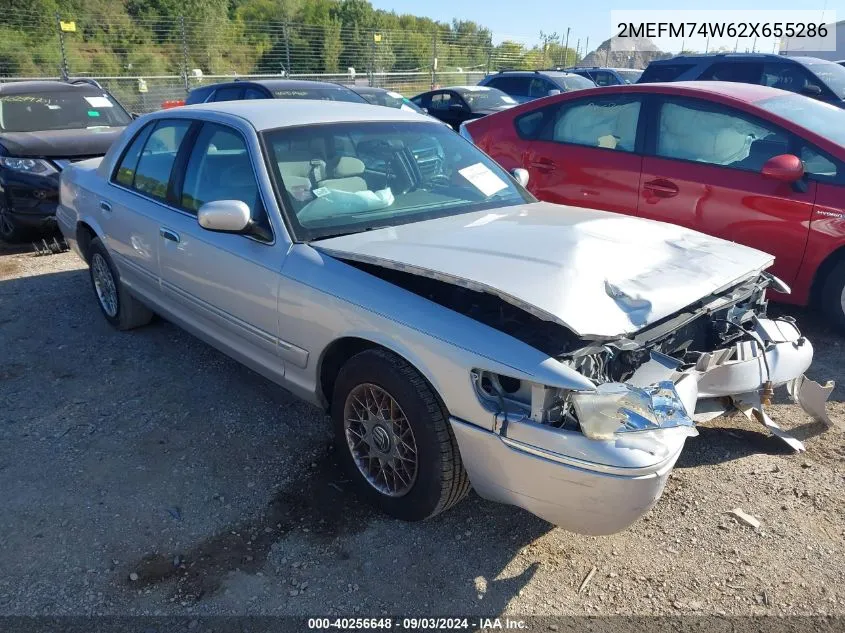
point(527, 85)
point(603, 76)
point(457, 329)
point(817, 78)
point(387, 98)
point(44, 127)
point(751, 164)
point(457, 104)
point(273, 89)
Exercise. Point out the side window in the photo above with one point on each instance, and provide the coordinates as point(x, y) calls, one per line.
point(790, 77)
point(818, 165)
point(741, 72)
point(125, 173)
point(156, 162)
point(539, 87)
point(716, 135)
point(254, 93)
point(604, 78)
point(423, 101)
point(229, 93)
point(220, 169)
point(609, 122)
point(440, 101)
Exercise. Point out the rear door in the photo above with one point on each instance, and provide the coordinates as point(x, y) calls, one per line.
point(702, 170)
point(135, 202)
point(224, 285)
point(585, 152)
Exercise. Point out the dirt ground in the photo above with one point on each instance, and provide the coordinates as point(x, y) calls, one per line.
point(146, 473)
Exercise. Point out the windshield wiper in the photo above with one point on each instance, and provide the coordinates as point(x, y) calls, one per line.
point(341, 234)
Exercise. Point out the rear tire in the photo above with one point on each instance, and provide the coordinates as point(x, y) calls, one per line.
point(397, 410)
point(833, 295)
point(120, 308)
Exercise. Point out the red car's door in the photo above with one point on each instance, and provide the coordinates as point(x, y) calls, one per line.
point(584, 153)
point(702, 170)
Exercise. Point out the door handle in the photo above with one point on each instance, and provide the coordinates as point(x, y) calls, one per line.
point(167, 234)
point(105, 206)
point(542, 164)
point(662, 188)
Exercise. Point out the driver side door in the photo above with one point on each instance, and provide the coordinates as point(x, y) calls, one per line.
point(702, 170)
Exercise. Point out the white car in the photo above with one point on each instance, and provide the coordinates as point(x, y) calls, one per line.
point(375, 263)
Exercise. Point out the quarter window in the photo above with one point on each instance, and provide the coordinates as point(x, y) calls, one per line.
point(607, 122)
point(715, 135)
point(125, 174)
point(232, 93)
point(159, 154)
point(254, 93)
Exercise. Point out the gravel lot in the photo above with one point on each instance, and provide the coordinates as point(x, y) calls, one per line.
point(145, 472)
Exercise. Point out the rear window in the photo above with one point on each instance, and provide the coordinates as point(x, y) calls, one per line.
point(60, 110)
point(658, 73)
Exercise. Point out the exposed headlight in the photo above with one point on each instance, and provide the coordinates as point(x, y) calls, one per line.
point(615, 408)
point(28, 165)
point(612, 409)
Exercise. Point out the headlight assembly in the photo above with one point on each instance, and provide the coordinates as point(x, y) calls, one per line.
point(28, 165)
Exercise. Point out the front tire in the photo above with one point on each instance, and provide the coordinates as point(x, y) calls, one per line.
point(10, 231)
point(394, 439)
point(833, 295)
point(119, 307)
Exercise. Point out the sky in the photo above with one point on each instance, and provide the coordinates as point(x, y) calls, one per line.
point(524, 19)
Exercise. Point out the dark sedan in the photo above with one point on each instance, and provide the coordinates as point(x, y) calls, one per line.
point(457, 104)
point(44, 126)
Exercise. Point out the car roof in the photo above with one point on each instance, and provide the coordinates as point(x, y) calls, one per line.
point(265, 114)
point(698, 57)
point(748, 93)
point(550, 73)
point(277, 84)
point(370, 90)
point(30, 87)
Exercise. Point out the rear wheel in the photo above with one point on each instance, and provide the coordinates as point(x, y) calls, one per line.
point(394, 439)
point(119, 307)
point(833, 295)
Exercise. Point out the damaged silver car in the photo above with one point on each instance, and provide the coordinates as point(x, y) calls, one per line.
point(459, 332)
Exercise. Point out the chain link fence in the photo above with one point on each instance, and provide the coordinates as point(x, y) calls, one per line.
point(145, 62)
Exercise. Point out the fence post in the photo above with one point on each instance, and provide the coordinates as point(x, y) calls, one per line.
point(288, 69)
point(434, 59)
point(64, 67)
point(184, 52)
point(489, 54)
point(372, 69)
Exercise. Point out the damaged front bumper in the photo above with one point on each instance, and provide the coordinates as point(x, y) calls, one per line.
point(601, 477)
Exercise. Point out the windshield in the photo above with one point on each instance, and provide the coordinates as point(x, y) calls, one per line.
point(345, 178)
point(821, 118)
point(60, 110)
point(575, 82)
point(833, 75)
point(630, 76)
point(322, 94)
point(391, 100)
point(484, 98)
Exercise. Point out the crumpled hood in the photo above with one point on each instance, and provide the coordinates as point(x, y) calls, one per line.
point(600, 274)
point(60, 143)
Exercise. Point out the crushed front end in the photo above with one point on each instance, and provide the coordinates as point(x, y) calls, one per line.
point(594, 461)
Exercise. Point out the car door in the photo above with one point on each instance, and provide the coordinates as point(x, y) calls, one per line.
point(702, 170)
point(135, 202)
point(585, 152)
point(223, 285)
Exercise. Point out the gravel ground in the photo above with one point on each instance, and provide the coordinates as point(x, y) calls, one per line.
point(146, 473)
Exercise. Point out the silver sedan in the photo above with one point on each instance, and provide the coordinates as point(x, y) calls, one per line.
point(459, 332)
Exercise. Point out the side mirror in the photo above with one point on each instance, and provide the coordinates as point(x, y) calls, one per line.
point(811, 90)
point(553, 92)
point(225, 216)
point(785, 168)
point(520, 175)
point(134, 115)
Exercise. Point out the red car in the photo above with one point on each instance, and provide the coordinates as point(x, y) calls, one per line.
point(747, 163)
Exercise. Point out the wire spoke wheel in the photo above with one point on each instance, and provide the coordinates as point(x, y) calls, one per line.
point(104, 284)
point(380, 439)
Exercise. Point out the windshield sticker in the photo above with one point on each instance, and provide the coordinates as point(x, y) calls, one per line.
point(291, 93)
point(321, 191)
point(93, 113)
point(24, 99)
point(480, 177)
point(99, 102)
